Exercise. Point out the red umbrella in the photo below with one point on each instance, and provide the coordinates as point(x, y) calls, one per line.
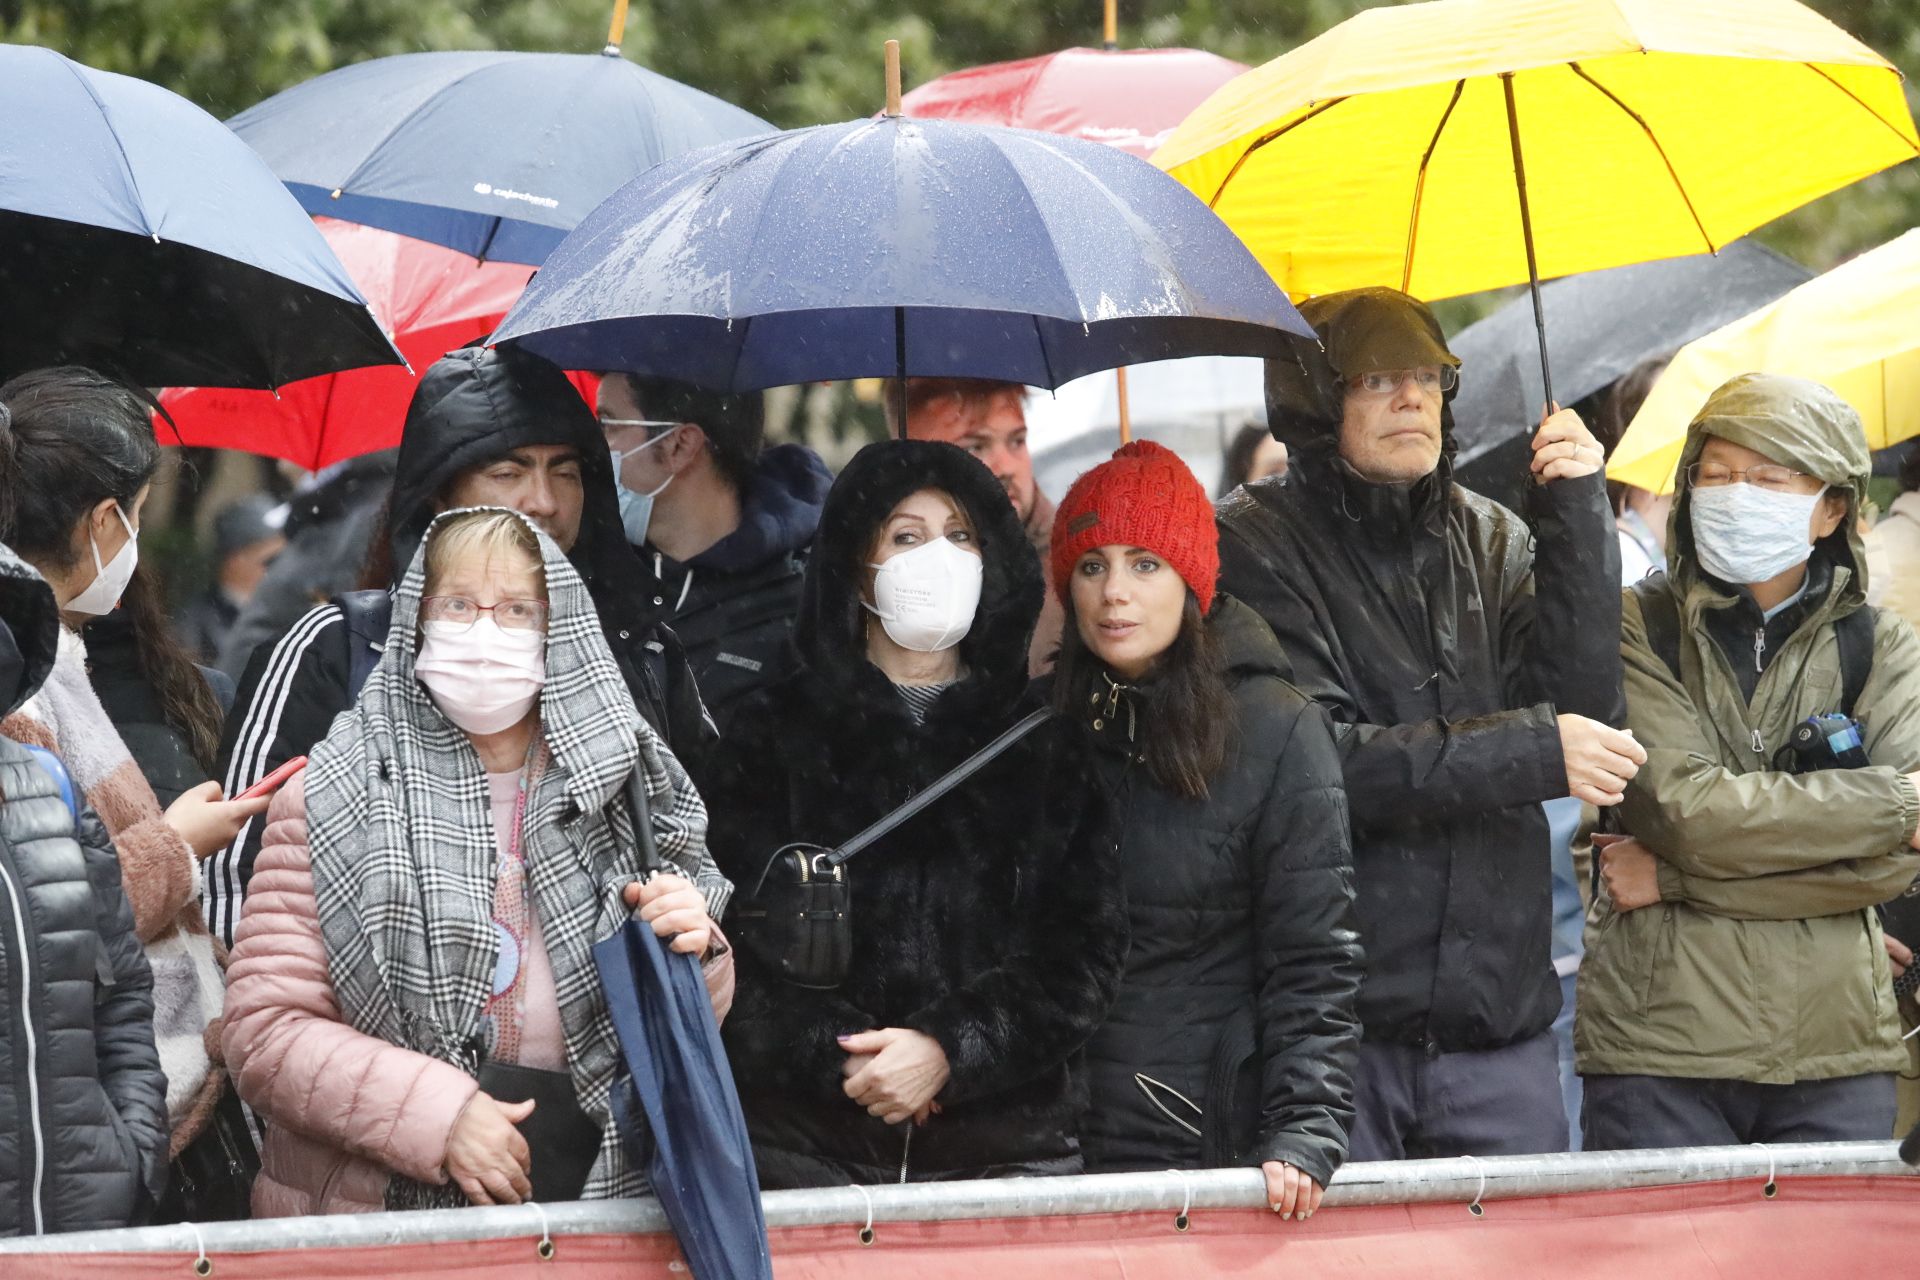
point(431, 299)
point(1128, 98)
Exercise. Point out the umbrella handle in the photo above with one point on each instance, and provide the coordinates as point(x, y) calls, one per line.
point(1526, 232)
point(893, 77)
point(1126, 418)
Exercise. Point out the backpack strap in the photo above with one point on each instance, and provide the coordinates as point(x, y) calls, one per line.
point(54, 765)
point(366, 614)
point(1854, 633)
point(1660, 615)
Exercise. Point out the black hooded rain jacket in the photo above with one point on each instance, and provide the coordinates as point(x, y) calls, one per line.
point(1416, 616)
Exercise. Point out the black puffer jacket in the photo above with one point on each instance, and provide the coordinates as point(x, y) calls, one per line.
point(992, 922)
point(473, 406)
point(1415, 615)
point(1243, 931)
point(733, 605)
point(83, 1102)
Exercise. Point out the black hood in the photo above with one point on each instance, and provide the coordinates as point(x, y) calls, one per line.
point(1361, 331)
point(29, 630)
point(830, 633)
point(480, 403)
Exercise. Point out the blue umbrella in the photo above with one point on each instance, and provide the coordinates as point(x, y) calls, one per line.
point(676, 1108)
point(137, 234)
point(896, 245)
point(495, 154)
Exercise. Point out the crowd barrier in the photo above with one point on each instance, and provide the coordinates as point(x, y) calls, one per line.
point(1804, 1210)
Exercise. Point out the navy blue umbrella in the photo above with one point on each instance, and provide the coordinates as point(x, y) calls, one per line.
point(676, 1107)
point(138, 235)
point(495, 154)
point(895, 245)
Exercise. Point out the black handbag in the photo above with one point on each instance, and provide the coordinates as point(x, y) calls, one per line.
point(795, 918)
point(561, 1136)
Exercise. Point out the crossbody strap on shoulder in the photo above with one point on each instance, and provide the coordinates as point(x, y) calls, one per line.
point(947, 782)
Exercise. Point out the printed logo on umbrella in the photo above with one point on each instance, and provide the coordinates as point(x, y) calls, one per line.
point(508, 193)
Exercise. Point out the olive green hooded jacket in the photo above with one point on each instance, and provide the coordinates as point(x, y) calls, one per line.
point(1763, 961)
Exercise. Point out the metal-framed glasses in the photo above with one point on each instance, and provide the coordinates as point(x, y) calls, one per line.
point(652, 425)
point(1768, 475)
point(1434, 378)
point(459, 613)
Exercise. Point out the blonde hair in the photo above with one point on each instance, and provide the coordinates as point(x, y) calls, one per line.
point(487, 535)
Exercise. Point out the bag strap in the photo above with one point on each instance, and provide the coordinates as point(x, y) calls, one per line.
point(366, 615)
point(1855, 636)
point(54, 765)
point(1660, 615)
point(951, 779)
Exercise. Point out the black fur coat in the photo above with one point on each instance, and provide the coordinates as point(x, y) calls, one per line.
point(993, 922)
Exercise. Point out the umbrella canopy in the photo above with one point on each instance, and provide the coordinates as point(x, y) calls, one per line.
point(894, 246)
point(700, 1162)
point(496, 154)
point(1600, 326)
point(434, 299)
point(138, 235)
point(1852, 328)
point(1193, 406)
point(1126, 98)
point(1380, 153)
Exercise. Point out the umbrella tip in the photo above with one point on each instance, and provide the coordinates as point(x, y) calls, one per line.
point(893, 77)
point(335, 195)
point(1112, 26)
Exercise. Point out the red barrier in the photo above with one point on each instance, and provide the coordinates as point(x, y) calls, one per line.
point(1815, 1228)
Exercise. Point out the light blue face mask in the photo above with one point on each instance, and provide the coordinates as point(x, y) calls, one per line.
point(636, 509)
point(1745, 534)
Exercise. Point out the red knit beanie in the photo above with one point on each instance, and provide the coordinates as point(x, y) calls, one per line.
point(1144, 496)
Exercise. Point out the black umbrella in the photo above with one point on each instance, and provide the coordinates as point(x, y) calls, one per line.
point(1599, 325)
point(699, 1160)
point(137, 234)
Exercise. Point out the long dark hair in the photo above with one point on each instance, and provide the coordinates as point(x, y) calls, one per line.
point(1182, 710)
point(77, 437)
point(186, 699)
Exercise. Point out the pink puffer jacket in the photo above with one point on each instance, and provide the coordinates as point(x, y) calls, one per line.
point(345, 1110)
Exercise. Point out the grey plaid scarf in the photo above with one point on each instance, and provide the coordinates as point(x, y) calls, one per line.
point(402, 840)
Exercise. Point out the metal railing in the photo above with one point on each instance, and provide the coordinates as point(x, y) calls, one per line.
point(1467, 1180)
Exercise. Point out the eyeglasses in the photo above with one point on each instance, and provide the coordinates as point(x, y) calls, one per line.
point(1768, 475)
point(1428, 377)
point(460, 613)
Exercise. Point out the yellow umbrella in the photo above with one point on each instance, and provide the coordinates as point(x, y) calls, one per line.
point(1856, 328)
point(1461, 145)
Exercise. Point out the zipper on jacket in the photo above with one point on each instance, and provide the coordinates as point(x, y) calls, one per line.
point(1759, 747)
point(1759, 650)
point(906, 1148)
point(34, 1134)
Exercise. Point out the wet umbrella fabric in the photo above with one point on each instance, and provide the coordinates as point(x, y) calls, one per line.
point(434, 299)
point(1600, 325)
point(137, 234)
point(1126, 98)
point(496, 154)
point(894, 245)
point(677, 1108)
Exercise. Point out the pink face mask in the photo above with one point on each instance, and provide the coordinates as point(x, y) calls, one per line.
point(483, 677)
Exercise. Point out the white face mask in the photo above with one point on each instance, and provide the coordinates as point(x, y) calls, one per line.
point(1746, 534)
point(925, 598)
point(110, 580)
point(636, 509)
point(484, 678)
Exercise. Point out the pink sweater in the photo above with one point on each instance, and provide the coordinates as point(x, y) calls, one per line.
point(346, 1110)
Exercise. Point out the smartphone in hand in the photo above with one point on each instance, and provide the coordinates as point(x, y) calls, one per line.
point(273, 781)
